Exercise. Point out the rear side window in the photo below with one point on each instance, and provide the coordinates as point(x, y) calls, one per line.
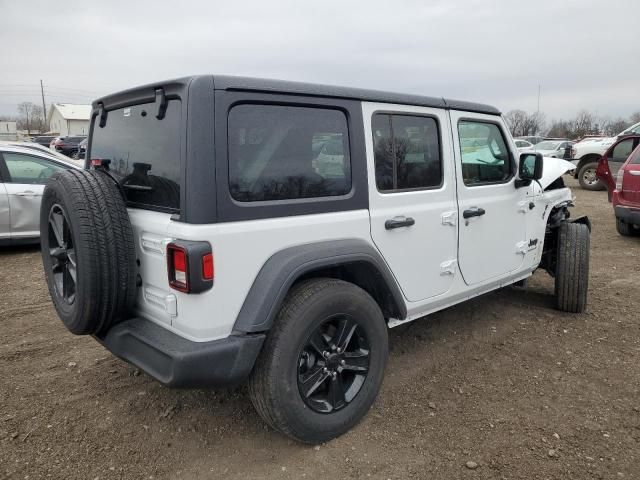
point(635, 157)
point(28, 169)
point(484, 153)
point(622, 151)
point(144, 153)
point(406, 151)
point(281, 152)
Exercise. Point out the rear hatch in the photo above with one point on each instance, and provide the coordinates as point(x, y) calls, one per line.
point(142, 150)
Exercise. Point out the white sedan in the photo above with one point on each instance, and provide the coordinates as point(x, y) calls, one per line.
point(523, 145)
point(23, 174)
point(552, 148)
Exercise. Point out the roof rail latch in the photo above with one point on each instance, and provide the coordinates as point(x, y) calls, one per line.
point(102, 113)
point(161, 103)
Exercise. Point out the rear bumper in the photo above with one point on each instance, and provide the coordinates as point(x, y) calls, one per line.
point(177, 362)
point(628, 214)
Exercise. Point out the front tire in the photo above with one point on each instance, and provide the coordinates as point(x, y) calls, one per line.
point(588, 179)
point(322, 364)
point(572, 267)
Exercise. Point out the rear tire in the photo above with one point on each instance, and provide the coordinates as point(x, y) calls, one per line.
point(294, 354)
point(625, 229)
point(572, 267)
point(587, 177)
point(88, 251)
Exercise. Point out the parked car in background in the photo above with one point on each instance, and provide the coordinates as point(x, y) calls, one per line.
point(82, 150)
point(622, 180)
point(43, 150)
point(523, 145)
point(44, 140)
point(533, 139)
point(23, 174)
point(66, 145)
point(585, 156)
point(552, 148)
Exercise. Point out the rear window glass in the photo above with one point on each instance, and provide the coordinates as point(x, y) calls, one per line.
point(144, 153)
point(281, 153)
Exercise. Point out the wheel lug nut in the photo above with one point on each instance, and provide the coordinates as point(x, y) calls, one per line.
point(339, 350)
point(325, 354)
point(342, 362)
point(334, 374)
point(333, 347)
point(325, 370)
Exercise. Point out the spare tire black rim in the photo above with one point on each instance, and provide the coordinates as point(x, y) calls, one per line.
point(333, 364)
point(62, 253)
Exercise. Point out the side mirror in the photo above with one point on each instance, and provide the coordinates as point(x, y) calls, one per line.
point(530, 168)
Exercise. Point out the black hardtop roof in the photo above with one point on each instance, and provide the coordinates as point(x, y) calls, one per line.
point(227, 82)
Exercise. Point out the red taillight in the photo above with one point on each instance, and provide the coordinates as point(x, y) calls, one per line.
point(177, 263)
point(190, 266)
point(207, 266)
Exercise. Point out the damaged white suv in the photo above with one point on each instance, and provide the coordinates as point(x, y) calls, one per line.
point(230, 229)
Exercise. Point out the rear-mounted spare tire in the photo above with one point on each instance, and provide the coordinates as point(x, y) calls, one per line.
point(88, 250)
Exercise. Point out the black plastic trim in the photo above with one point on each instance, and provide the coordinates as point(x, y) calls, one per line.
point(177, 362)
point(230, 210)
point(282, 269)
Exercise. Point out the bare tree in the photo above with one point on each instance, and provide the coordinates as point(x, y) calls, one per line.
point(584, 124)
point(31, 117)
point(613, 127)
point(515, 121)
point(560, 129)
point(635, 117)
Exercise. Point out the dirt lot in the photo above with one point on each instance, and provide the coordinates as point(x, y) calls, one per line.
point(504, 381)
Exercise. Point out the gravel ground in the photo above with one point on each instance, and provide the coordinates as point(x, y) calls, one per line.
point(502, 386)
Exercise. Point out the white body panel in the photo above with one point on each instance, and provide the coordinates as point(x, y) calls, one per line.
point(494, 250)
point(5, 214)
point(417, 254)
point(211, 314)
point(24, 202)
point(488, 245)
point(554, 168)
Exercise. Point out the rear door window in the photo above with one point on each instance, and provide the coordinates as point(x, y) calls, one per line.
point(144, 153)
point(279, 152)
point(407, 152)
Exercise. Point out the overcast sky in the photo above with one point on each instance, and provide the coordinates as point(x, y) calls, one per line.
point(583, 53)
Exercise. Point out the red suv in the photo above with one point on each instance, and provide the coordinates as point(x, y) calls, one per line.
point(619, 170)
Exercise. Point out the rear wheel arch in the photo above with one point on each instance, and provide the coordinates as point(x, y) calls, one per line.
point(353, 260)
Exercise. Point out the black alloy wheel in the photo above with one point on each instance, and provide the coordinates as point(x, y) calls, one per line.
point(62, 253)
point(333, 364)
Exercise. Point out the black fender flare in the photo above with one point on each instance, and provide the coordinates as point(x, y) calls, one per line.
point(283, 268)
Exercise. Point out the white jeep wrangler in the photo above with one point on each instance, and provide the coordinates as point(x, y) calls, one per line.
point(230, 229)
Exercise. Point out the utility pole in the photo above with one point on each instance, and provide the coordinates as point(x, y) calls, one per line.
point(44, 106)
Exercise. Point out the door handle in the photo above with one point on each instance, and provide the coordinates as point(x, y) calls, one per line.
point(28, 193)
point(473, 212)
point(399, 222)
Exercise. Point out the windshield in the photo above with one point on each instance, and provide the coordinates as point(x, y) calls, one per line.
point(143, 153)
point(632, 129)
point(547, 145)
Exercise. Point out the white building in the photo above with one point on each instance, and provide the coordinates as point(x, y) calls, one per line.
point(69, 119)
point(8, 130)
